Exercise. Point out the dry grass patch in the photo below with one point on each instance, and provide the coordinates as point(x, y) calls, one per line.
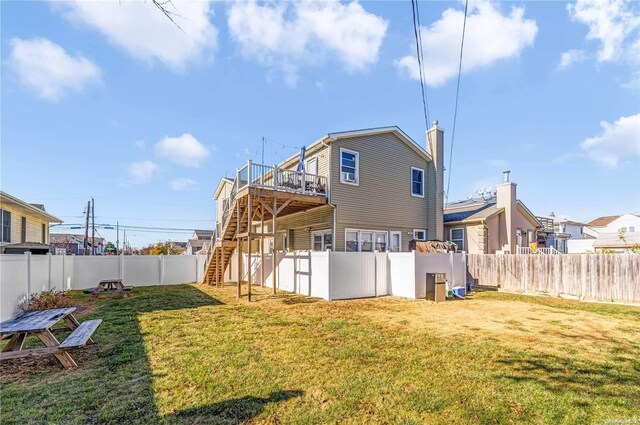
point(193, 354)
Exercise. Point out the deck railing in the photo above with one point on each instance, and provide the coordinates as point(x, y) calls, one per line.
point(274, 178)
point(543, 250)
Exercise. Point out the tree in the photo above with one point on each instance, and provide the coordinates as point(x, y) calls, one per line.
point(162, 248)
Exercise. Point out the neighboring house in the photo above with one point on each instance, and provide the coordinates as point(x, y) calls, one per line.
point(200, 239)
point(202, 234)
point(25, 226)
point(73, 244)
point(195, 245)
point(499, 224)
point(556, 232)
point(613, 233)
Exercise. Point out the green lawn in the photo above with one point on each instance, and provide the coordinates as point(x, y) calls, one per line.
point(194, 354)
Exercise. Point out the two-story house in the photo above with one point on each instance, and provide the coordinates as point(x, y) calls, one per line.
point(73, 244)
point(362, 190)
point(199, 240)
point(24, 226)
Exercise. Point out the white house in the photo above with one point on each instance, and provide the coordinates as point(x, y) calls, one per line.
point(616, 233)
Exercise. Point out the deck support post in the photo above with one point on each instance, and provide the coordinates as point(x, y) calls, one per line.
point(239, 250)
point(262, 246)
point(249, 261)
point(274, 262)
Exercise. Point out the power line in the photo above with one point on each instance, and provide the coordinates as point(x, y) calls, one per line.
point(418, 34)
point(455, 113)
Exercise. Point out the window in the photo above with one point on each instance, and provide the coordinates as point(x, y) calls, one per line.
point(395, 245)
point(351, 241)
point(23, 229)
point(420, 234)
point(6, 226)
point(519, 234)
point(321, 240)
point(44, 233)
point(349, 167)
point(417, 182)
point(312, 166)
point(457, 237)
point(365, 240)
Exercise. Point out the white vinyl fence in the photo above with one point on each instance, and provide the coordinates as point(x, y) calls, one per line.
point(21, 275)
point(344, 275)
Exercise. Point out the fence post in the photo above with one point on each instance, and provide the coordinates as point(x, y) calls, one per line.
point(121, 266)
point(375, 273)
point(49, 254)
point(28, 254)
point(161, 269)
point(64, 278)
point(329, 280)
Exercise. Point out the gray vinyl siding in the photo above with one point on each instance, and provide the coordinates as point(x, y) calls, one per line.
point(322, 153)
point(296, 226)
point(382, 200)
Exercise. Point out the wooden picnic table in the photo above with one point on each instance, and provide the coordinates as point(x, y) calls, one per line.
point(39, 324)
point(109, 286)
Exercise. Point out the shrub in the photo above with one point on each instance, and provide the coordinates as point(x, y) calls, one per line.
point(46, 300)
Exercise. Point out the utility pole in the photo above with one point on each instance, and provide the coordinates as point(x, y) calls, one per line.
point(86, 228)
point(93, 228)
point(117, 237)
point(124, 243)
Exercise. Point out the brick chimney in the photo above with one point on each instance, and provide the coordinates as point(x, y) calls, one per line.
point(506, 198)
point(435, 147)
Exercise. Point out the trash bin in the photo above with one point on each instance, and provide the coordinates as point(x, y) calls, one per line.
point(440, 288)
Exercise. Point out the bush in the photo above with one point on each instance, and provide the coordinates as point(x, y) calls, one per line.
point(46, 300)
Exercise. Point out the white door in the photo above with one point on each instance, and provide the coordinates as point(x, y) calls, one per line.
point(396, 242)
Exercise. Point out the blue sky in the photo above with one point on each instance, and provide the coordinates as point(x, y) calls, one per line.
point(112, 101)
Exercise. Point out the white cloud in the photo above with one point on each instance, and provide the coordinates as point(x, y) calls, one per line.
point(618, 141)
point(490, 36)
point(140, 144)
point(183, 150)
point(183, 184)
point(143, 171)
point(143, 31)
point(570, 57)
point(611, 22)
point(283, 35)
point(48, 69)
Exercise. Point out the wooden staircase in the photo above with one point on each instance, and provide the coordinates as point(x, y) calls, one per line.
point(225, 243)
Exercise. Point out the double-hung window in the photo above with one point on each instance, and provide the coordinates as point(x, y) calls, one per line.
point(457, 237)
point(23, 229)
point(312, 166)
point(417, 182)
point(349, 167)
point(322, 240)
point(365, 240)
point(6, 226)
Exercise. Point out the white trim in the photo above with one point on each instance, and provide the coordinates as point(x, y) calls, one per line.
point(463, 237)
point(391, 233)
point(421, 184)
point(357, 167)
point(420, 230)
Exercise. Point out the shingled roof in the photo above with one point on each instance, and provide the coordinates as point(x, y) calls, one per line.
point(602, 221)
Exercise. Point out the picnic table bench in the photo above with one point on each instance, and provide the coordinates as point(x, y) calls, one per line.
point(39, 324)
point(109, 286)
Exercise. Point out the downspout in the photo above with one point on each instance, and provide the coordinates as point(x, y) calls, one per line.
point(335, 207)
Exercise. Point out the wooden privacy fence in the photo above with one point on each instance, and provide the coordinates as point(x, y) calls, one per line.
point(604, 277)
